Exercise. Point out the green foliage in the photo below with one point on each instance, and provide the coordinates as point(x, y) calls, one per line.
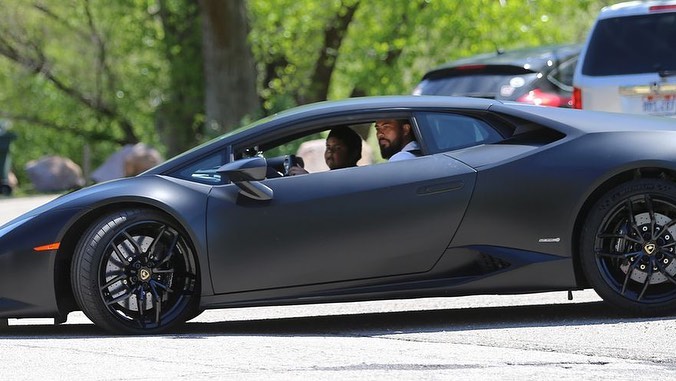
point(85, 73)
point(286, 39)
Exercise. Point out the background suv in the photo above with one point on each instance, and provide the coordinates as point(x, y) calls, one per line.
point(628, 63)
point(541, 76)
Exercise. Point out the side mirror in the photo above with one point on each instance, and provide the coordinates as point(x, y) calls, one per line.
point(246, 174)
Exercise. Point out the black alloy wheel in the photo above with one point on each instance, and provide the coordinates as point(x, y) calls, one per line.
point(134, 271)
point(628, 251)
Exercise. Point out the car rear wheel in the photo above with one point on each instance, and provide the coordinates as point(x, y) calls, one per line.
point(134, 271)
point(628, 247)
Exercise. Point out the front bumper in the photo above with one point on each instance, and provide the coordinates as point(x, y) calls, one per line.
point(27, 277)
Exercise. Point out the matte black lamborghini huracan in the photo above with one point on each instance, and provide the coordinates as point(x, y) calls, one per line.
point(505, 198)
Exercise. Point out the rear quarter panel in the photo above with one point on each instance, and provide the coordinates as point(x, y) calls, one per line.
point(532, 201)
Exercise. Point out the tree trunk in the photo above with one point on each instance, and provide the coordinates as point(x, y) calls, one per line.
point(229, 68)
point(334, 33)
point(177, 120)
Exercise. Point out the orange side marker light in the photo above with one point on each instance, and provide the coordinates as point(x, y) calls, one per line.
point(51, 246)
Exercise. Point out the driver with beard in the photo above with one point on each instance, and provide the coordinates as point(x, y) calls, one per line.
point(396, 139)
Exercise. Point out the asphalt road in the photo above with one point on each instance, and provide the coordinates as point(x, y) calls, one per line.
point(538, 336)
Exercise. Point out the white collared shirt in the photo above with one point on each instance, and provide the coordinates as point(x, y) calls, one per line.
point(405, 152)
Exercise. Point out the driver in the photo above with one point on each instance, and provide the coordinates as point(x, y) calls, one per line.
point(343, 150)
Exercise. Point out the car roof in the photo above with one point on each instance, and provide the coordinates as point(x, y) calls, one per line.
point(534, 59)
point(388, 102)
point(634, 8)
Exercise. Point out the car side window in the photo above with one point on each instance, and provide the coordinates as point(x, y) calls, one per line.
point(204, 170)
point(447, 132)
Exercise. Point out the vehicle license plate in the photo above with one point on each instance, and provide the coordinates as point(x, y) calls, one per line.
point(659, 104)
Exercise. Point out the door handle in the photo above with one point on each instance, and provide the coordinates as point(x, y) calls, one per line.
point(441, 187)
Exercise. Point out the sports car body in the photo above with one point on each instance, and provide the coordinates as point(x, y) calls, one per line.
point(504, 198)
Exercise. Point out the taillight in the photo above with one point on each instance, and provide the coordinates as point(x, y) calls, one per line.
point(662, 8)
point(470, 67)
point(540, 98)
point(577, 98)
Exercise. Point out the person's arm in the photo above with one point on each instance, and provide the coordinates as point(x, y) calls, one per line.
point(297, 170)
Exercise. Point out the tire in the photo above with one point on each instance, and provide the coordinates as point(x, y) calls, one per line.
point(134, 272)
point(628, 247)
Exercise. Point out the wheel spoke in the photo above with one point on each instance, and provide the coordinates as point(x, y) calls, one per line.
point(651, 212)
point(619, 236)
point(119, 254)
point(121, 298)
point(117, 263)
point(141, 304)
point(632, 218)
point(158, 310)
point(167, 271)
point(667, 253)
point(166, 289)
point(649, 275)
point(133, 242)
point(113, 281)
point(170, 251)
point(617, 255)
point(158, 302)
point(153, 290)
point(663, 271)
point(666, 228)
point(151, 249)
point(630, 270)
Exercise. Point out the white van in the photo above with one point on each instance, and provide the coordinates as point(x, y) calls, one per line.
point(628, 63)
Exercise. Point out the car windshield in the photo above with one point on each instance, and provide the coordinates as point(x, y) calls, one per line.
point(632, 45)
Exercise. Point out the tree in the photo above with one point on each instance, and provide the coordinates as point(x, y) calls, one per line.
point(228, 65)
point(334, 33)
point(29, 49)
point(180, 115)
point(296, 45)
point(91, 73)
point(76, 73)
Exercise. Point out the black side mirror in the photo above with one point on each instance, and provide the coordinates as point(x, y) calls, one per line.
point(246, 174)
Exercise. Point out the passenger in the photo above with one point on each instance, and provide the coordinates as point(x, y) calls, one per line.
point(343, 150)
point(396, 139)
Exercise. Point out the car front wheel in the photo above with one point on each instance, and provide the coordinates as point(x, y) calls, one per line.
point(628, 247)
point(134, 271)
